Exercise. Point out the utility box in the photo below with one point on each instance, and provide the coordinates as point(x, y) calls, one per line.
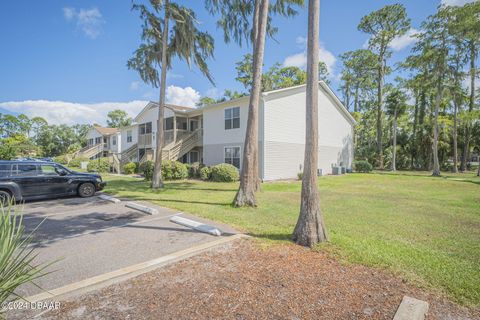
point(344, 170)
point(336, 171)
point(83, 165)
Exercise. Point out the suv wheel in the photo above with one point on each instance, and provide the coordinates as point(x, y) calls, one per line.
point(5, 198)
point(86, 190)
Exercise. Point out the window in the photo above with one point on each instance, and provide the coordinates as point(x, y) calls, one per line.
point(145, 128)
point(98, 140)
point(90, 142)
point(26, 170)
point(232, 118)
point(169, 123)
point(193, 156)
point(114, 141)
point(232, 156)
point(4, 170)
point(48, 169)
point(129, 136)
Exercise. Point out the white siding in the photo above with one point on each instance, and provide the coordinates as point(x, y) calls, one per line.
point(285, 134)
point(92, 134)
point(125, 145)
point(117, 147)
point(216, 138)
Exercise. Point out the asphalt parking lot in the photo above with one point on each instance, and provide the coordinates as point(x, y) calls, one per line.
point(88, 237)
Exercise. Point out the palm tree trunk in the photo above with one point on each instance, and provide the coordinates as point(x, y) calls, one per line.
point(455, 135)
point(414, 135)
point(438, 99)
point(256, 25)
point(249, 179)
point(310, 228)
point(394, 156)
point(355, 103)
point(157, 171)
point(347, 96)
point(471, 104)
point(381, 71)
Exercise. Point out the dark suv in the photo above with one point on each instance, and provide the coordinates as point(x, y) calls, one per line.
point(29, 180)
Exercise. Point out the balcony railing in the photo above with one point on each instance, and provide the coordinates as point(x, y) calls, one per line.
point(145, 140)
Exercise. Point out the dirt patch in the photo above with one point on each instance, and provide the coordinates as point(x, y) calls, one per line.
point(244, 281)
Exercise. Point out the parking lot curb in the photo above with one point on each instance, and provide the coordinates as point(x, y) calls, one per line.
point(109, 198)
point(126, 273)
point(140, 207)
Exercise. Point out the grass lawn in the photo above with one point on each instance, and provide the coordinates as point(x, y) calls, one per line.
point(425, 229)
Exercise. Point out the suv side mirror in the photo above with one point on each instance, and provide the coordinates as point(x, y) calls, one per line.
point(62, 172)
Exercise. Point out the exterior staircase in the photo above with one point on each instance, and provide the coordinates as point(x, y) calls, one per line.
point(186, 143)
point(89, 151)
point(127, 155)
point(116, 163)
point(171, 151)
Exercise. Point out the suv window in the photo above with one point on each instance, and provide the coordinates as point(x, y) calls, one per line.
point(26, 170)
point(4, 170)
point(48, 169)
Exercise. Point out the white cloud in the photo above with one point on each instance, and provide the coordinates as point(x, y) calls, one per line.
point(300, 59)
point(456, 2)
point(400, 42)
point(61, 112)
point(68, 13)
point(213, 93)
point(90, 21)
point(296, 60)
point(404, 41)
point(182, 96)
point(134, 85)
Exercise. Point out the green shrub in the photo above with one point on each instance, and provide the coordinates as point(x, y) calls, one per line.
point(137, 167)
point(300, 175)
point(194, 170)
point(129, 168)
point(205, 173)
point(99, 165)
point(146, 168)
point(174, 170)
point(63, 159)
point(224, 172)
point(362, 166)
point(77, 161)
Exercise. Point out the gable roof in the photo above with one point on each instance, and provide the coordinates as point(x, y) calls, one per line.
point(105, 131)
point(173, 107)
point(323, 86)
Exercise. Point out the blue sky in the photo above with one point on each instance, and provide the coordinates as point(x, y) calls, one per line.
point(66, 60)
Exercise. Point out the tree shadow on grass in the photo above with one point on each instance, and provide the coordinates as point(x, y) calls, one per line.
point(201, 189)
point(273, 236)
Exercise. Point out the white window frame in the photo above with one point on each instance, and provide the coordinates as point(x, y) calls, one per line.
point(129, 136)
point(239, 155)
point(114, 140)
point(231, 118)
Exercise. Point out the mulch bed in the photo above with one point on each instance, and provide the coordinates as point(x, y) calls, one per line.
point(245, 281)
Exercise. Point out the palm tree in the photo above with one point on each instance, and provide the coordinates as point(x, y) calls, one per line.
point(396, 104)
point(310, 228)
point(250, 21)
point(160, 44)
point(384, 25)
